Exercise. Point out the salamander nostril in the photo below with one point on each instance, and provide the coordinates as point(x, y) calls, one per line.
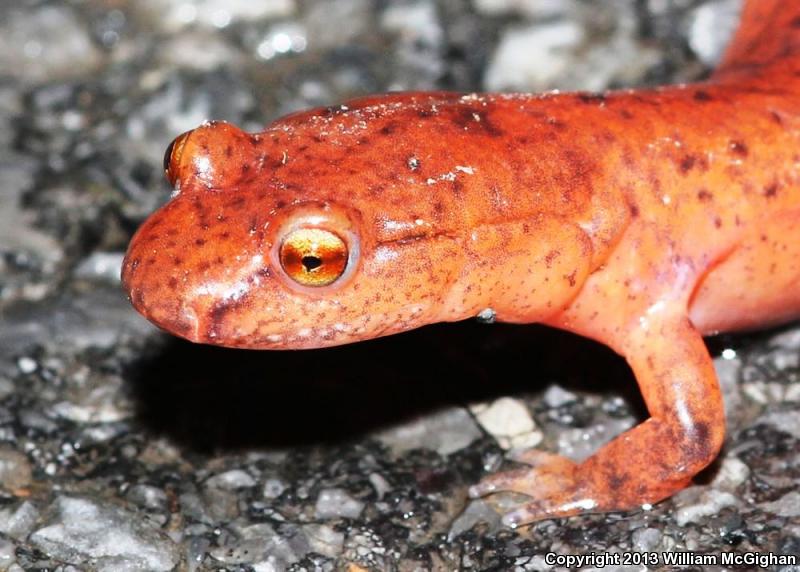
point(311, 262)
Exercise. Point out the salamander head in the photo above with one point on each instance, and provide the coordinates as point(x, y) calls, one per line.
point(278, 240)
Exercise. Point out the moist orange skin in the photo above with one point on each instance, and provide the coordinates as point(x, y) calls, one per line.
point(643, 219)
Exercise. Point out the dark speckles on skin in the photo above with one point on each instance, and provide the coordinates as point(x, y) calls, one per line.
point(689, 162)
point(173, 283)
point(771, 190)
point(625, 114)
point(738, 148)
point(717, 222)
point(704, 196)
point(634, 210)
point(702, 96)
point(467, 118)
point(333, 110)
point(389, 128)
point(199, 241)
point(238, 203)
point(795, 23)
point(591, 98)
point(218, 312)
point(550, 257)
point(700, 438)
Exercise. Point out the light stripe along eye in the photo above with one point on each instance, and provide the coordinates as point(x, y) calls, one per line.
point(313, 256)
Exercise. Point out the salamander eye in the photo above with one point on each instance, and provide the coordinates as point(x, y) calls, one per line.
point(313, 256)
point(172, 157)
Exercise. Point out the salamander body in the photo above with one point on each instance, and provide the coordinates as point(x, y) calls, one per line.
point(643, 219)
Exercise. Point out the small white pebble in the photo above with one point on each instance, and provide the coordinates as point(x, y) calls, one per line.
point(27, 365)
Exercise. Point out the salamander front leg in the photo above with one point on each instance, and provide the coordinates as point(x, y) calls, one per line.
point(647, 463)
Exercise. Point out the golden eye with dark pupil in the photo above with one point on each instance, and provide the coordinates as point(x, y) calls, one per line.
point(313, 256)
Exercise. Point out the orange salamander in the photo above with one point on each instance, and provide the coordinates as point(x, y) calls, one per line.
point(643, 219)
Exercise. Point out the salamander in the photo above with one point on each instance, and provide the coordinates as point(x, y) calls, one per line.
point(643, 219)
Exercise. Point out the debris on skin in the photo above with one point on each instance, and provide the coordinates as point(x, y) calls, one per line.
point(123, 449)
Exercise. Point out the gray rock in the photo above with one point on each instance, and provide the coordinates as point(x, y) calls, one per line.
point(696, 503)
point(101, 267)
point(731, 475)
point(645, 539)
point(534, 57)
point(445, 431)
point(324, 540)
point(533, 9)
point(711, 26)
point(509, 422)
point(101, 404)
point(81, 529)
point(149, 497)
point(273, 488)
point(788, 505)
point(7, 554)
point(332, 28)
point(47, 43)
point(556, 396)
point(15, 469)
point(17, 523)
point(420, 45)
point(231, 480)
point(222, 505)
point(6, 387)
point(259, 543)
point(173, 15)
point(786, 421)
point(337, 503)
point(478, 511)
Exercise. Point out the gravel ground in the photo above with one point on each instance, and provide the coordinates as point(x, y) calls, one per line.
point(122, 448)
